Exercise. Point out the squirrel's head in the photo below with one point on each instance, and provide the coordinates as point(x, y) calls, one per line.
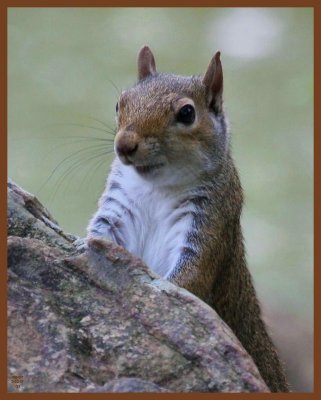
point(172, 125)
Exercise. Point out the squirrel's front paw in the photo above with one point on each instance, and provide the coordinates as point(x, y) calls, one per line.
point(81, 244)
point(98, 241)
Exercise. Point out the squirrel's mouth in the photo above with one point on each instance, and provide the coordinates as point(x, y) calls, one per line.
point(146, 169)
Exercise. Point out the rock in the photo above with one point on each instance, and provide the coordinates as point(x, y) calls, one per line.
point(28, 218)
point(100, 320)
point(128, 385)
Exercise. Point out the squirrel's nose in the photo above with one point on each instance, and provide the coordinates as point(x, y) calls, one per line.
point(127, 150)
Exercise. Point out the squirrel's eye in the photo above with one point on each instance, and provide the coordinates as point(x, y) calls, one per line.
point(186, 115)
point(116, 107)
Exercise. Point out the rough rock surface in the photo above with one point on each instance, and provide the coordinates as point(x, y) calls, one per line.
point(101, 321)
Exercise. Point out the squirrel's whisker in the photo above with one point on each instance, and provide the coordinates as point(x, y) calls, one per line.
point(114, 86)
point(109, 131)
point(76, 165)
point(113, 130)
point(71, 157)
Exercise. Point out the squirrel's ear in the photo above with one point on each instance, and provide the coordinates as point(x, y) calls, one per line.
point(213, 80)
point(146, 63)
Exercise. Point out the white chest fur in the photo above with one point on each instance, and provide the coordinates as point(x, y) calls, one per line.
point(155, 222)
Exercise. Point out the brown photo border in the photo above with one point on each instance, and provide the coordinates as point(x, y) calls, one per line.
point(316, 5)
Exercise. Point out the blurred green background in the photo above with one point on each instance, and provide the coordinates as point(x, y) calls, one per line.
point(67, 66)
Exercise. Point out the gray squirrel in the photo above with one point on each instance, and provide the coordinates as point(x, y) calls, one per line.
point(173, 198)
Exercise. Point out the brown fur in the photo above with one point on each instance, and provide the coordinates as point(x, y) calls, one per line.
point(222, 279)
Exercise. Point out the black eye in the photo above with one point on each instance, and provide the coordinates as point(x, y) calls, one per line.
point(186, 115)
point(116, 107)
